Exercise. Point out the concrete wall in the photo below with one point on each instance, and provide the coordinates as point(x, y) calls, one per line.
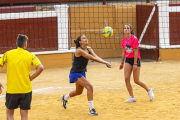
point(169, 54)
point(52, 60)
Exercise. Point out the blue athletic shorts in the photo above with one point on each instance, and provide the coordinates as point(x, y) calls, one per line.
point(74, 76)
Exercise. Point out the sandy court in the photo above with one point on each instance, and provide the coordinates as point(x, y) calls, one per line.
point(109, 94)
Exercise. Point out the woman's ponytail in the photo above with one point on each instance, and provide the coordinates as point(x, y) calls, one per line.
point(77, 42)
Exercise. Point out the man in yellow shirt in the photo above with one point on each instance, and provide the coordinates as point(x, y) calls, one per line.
point(19, 89)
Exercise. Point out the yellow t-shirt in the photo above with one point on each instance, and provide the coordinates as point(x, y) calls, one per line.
point(19, 63)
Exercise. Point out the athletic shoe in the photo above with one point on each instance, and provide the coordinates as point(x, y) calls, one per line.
point(63, 101)
point(151, 94)
point(131, 99)
point(93, 112)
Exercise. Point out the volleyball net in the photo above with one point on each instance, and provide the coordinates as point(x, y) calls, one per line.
point(50, 26)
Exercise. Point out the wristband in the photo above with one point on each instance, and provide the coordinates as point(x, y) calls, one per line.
point(135, 64)
point(122, 63)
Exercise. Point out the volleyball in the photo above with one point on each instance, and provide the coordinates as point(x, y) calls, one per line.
point(107, 32)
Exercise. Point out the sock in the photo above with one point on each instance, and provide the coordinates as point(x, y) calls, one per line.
point(66, 97)
point(149, 91)
point(91, 104)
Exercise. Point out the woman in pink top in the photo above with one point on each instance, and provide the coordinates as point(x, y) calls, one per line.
point(131, 52)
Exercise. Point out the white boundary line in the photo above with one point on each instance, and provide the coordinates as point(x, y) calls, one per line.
point(96, 87)
point(2, 96)
point(45, 89)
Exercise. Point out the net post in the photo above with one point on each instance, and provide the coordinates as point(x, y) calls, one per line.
point(69, 29)
point(157, 41)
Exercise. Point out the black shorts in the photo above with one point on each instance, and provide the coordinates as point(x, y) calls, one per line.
point(14, 101)
point(131, 61)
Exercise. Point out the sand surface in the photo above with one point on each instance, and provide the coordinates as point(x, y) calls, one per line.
point(109, 94)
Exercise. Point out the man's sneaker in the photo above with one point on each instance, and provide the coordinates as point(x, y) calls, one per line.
point(131, 99)
point(63, 101)
point(93, 112)
point(151, 94)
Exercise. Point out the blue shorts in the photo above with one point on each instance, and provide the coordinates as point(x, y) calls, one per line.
point(74, 76)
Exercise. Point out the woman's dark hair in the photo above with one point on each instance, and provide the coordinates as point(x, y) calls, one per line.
point(77, 41)
point(132, 32)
